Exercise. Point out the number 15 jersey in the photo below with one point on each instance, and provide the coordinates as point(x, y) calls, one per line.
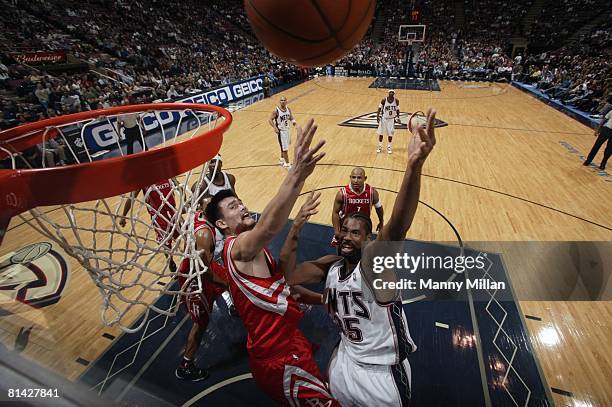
point(371, 333)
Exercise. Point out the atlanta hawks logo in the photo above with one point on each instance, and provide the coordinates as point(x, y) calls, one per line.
point(35, 275)
point(368, 121)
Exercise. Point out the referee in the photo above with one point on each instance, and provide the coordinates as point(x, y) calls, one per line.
point(603, 133)
point(132, 131)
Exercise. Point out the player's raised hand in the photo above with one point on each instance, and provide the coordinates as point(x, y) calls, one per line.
point(306, 157)
point(308, 209)
point(423, 140)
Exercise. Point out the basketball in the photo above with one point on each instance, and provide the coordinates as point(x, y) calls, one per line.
point(309, 32)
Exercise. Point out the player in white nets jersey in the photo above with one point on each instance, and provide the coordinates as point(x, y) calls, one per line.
point(279, 120)
point(386, 117)
point(369, 366)
point(215, 180)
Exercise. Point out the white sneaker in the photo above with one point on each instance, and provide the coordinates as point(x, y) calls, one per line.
point(281, 162)
point(379, 149)
point(389, 149)
point(287, 165)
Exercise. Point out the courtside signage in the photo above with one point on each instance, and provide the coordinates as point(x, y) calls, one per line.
point(102, 134)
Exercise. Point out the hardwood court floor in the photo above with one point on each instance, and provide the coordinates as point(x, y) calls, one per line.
point(503, 170)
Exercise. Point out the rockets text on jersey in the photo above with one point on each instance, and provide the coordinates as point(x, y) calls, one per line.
point(354, 202)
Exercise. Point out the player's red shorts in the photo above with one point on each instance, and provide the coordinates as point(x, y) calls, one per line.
point(199, 305)
point(292, 378)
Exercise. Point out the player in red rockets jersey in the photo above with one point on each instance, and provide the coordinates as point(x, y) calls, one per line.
point(161, 205)
point(199, 304)
point(357, 196)
point(281, 358)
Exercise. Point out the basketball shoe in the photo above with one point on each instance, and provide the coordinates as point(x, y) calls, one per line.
point(189, 371)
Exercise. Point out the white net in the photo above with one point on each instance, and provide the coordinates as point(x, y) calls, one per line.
point(132, 259)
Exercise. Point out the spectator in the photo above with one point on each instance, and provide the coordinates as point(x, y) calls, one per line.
point(172, 93)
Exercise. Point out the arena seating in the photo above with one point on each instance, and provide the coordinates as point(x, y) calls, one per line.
point(139, 51)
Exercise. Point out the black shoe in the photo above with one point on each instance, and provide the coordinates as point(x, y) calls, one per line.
point(602, 167)
point(191, 372)
point(586, 163)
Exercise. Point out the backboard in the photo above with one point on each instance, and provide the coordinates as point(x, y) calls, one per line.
point(411, 33)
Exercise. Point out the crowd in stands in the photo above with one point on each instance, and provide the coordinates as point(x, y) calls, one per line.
point(495, 19)
point(559, 19)
point(179, 49)
point(150, 50)
point(578, 75)
point(447, 53)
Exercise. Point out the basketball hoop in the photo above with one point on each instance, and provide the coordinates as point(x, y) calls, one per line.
point(129, 264)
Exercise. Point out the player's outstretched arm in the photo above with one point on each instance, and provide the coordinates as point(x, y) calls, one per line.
point(306, 296)
point(310, 271)
point(289, 249)
point(276, 213)
point(420, 145)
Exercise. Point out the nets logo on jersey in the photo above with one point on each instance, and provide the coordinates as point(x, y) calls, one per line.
point(368, 121)
point(35, 275)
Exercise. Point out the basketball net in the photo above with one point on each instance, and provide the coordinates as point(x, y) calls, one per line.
point(131, 263)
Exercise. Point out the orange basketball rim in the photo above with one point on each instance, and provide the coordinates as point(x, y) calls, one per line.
point(24, 189)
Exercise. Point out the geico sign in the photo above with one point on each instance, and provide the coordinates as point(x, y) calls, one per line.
point(246, 88)
point(219, 96)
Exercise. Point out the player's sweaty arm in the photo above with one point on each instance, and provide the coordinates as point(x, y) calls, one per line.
point(306, 296)
point(205, 241)
point(308, 272)
point(420, 145)
point(382, 103)
point(276, 213)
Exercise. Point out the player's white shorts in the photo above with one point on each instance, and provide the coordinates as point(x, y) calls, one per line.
point(284, 139)
point(386, 125)
point(356, 384)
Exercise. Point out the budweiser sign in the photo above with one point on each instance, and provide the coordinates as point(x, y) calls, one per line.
point(40, 58)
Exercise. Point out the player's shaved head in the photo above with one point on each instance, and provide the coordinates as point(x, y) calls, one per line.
point(358, 179)
point(358, 171)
